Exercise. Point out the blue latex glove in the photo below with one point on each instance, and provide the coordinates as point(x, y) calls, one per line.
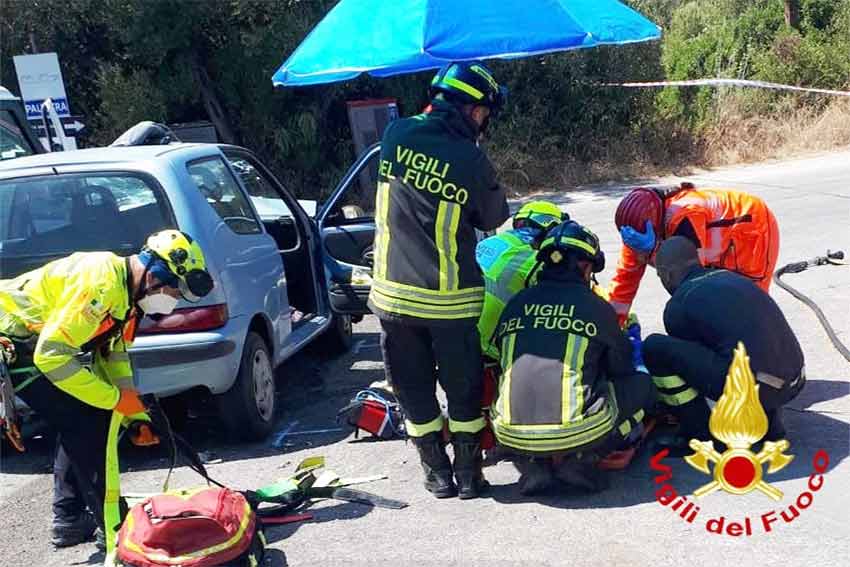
point(633, 333)
point(643, 242)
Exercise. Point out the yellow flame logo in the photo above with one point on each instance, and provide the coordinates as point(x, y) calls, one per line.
point(739, 421)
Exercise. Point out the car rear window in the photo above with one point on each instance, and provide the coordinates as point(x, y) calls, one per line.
point(13, 143)
point(45, 218)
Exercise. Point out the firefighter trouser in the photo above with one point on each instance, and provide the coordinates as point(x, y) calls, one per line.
point(416, 357)
point(685, 371)
point(80, 462)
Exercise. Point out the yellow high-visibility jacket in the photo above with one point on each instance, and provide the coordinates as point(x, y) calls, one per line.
point(69, 304)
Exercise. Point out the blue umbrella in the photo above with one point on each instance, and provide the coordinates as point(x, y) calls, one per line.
point(389, 37)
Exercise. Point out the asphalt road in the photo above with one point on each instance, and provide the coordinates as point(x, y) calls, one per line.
point(623, 526)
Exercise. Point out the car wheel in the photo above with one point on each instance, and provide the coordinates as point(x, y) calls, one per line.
point(247, 408)
point(337, 339)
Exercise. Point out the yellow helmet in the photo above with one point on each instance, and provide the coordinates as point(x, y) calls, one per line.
point(176, 260)
point(541, 215)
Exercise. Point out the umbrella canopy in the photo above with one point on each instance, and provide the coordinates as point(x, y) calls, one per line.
point(389, 37)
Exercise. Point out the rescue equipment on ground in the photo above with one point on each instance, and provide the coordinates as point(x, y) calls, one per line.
point(831, 258)
point(375, 411)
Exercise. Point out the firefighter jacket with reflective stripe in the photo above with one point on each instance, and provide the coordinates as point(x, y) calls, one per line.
point(507, 260)
point(561, 350)
point(718, 308)
point(435, 188)
point(732, 230)
point(71, 305)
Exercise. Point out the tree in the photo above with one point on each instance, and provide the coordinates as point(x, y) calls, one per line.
point(792, 14)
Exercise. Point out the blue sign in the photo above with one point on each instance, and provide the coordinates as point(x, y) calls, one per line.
point(34, 108)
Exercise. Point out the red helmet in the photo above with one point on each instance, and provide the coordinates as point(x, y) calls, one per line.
point(640, 205)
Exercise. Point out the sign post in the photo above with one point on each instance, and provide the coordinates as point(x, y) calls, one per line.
point(40, 79)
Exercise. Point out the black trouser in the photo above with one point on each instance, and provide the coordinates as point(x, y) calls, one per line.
point(80, 463)
point(417, 356)
point(705, 371)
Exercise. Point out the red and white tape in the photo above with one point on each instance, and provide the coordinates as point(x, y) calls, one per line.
point(730, 83)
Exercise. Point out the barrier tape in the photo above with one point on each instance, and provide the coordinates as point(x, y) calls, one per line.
point(728, 82)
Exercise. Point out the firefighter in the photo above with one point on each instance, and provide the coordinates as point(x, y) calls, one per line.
point(569, 391)
point(731, 229)
point(436, 186)
point(709, 311)
point(91, 302)
point(509, 263)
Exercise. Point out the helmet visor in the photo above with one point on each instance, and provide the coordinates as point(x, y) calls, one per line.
point(195, 285)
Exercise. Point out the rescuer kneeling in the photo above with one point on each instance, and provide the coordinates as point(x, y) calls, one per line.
point(568, 391)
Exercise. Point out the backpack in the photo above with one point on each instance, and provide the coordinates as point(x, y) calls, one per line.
point(202, 527)
point(374, 411)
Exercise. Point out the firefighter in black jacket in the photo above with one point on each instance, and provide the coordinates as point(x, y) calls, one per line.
point(568, 384)
point(709, 312)
point(435, 187)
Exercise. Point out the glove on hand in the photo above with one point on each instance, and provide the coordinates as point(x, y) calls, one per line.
point(633, 333)
point(643, 242)
point(129, 403)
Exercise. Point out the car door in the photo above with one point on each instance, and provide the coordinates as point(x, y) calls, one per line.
point(347, 227)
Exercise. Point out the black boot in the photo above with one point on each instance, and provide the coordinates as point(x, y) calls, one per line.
point(468, 463)
point(436, 464)
point(72, 531)
point(581, 473)
point(535, 475)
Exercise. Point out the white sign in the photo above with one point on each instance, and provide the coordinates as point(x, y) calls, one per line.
point(40, 78)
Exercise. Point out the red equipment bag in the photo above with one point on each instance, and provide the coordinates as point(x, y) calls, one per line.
point(376, 412)
point(202, 527)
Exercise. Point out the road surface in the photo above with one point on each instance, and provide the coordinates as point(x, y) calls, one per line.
point(623, 526)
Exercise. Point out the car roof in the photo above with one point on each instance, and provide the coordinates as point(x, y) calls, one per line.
point(100, 156)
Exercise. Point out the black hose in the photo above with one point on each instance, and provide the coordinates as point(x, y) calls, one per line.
point(796, 268)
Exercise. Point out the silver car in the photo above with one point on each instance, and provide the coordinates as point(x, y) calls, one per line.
point(284, 278)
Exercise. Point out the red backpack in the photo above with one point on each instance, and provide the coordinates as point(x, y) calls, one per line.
point(200, 527)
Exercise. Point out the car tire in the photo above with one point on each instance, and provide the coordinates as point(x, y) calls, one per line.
point(337, 339)
point(247, 408)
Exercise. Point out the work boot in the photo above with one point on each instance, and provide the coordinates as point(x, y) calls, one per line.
point(581, 474)
point(468, 463)
point(436, 464)
point(70, 532)
point(535, 475)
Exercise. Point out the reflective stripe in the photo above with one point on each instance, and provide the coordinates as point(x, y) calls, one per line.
point(638, 416)
point(64, 371)
point(508, 344)
point(577, 364)
point(124, 382)
point(382, 229)
point(679, 399)
point(423, 429)
point(473, 426)
point(118, 357)
point(672, 381)
point(625, 428)
point(413, 309)
point(567, 371)
point(445, 238)
point(426, 295)
point(467, 88)
point(54, 348)
point(573, 241)
point(507, 281)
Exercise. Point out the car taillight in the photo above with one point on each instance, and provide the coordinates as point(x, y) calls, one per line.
point(190, 319)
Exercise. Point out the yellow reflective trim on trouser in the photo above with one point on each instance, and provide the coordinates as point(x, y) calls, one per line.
point(423, 429)
point(679, 399)
point(625, 428)
point(473, 426)
point(382, 229)
point(672, 381)
point(445, 238)
point(467, 88)
point(111, 501)
point(639, 415)
point(504, 392)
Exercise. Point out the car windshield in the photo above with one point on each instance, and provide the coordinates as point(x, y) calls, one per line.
point(45, 218)
point(13, 144)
